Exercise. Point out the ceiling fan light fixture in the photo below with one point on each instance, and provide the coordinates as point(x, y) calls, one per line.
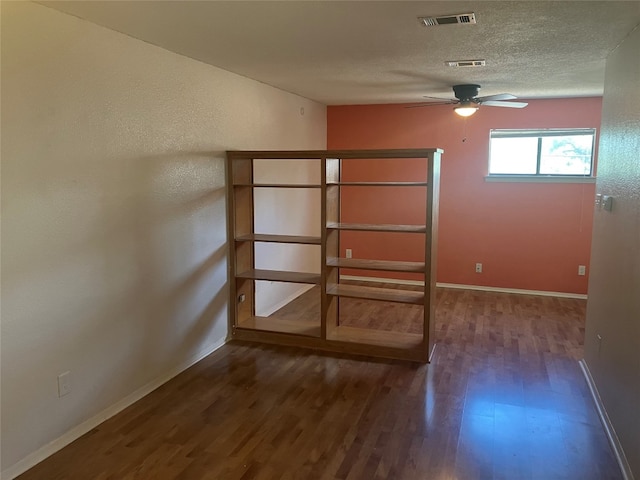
point(465, 110)
point(468, 102)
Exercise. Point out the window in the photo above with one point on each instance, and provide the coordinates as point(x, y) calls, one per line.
point(541, 152)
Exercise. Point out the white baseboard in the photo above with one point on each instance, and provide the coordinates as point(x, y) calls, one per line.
point(290, 298)
point(519, 291)
point(76, 432)
point(467, 287)
point(618, 451)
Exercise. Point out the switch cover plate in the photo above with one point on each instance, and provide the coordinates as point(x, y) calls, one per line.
point(64, 384)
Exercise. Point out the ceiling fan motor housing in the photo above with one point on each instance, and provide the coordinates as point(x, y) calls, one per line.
point(466, 92)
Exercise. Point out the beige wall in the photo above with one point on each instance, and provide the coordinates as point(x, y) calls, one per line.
point(613, 309)
point(113, 215)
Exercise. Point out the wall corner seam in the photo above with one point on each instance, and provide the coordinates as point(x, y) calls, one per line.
point(614, 441)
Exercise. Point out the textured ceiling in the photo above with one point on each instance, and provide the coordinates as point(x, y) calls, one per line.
point(341, 52)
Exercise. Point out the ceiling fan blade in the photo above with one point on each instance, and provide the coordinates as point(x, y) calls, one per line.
point(498, 103)
point(430, 104)
point(500, 96)
point(440, 98)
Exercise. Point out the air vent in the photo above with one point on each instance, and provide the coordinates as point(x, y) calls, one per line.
point(464, 18)
point(465, 63)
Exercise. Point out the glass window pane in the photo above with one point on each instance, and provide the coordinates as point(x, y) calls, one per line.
point(516, 155)
point(566, 155)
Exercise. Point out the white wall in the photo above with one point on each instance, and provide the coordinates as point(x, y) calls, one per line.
point(613, 309)
point(113, 215)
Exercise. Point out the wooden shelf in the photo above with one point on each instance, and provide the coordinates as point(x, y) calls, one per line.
point(379, 184)
point(378, 227)
point(373, 293)
point(281, 276)
point(385, 265)
point(262, 237)
point(383, 338)
point(274, 324)
point(277, 185)
point(330, 154)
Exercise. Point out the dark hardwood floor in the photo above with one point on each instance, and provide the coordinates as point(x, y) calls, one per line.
point(503, 399)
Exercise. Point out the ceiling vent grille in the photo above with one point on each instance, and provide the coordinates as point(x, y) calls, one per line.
point(464, 18)
point(465, 63)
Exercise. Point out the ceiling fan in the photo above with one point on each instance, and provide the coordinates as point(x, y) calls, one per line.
point(468, 100)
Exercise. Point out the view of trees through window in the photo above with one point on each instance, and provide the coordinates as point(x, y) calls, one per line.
point(541, 152)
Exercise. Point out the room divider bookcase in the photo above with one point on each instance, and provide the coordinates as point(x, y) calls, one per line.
point(325, 287)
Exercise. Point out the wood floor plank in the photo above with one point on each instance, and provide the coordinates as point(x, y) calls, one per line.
point(502, 399)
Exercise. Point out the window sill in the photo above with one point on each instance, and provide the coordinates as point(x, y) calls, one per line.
point(539, 179)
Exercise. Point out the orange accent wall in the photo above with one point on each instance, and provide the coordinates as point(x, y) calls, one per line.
point(527, 235)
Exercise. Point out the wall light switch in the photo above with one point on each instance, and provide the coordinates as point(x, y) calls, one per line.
point(64, 384)
point(598, 200)
point(607, 202)
point(599, 337)
point(349, 253)
point(582, 270)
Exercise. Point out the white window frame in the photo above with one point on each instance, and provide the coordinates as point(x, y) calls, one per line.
point(541, 177)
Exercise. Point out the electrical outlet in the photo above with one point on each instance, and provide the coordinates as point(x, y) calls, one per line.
point(582, 270)
point(478, 268)
point(64, 384)
point(348, 253)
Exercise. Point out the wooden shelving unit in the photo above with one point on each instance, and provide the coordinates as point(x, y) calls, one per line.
point(257, 237)
point(365, 227)
point(375, 293)
point(379, 184)
point(277, 185)
point(383, 265)
point(279, 325)
point(327, 332)
point(280, 276)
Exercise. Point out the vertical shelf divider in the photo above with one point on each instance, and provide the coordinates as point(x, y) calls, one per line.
point(240, 224)
point(430, 256)
point(331, 242)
